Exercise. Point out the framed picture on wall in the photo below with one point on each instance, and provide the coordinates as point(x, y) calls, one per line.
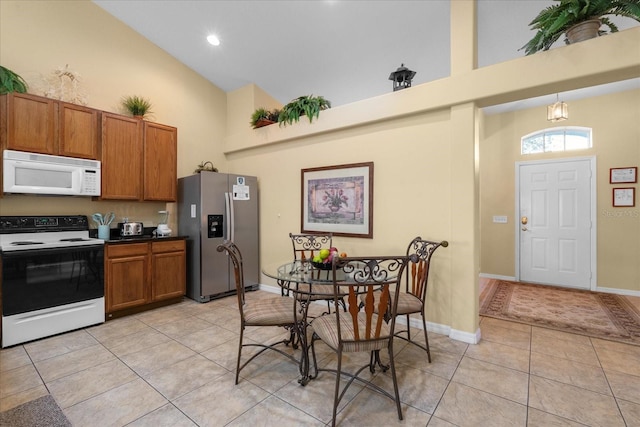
point(338, 199)
point(623, 175)
point(624, 197)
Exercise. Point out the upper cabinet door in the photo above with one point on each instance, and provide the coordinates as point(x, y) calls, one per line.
point(121, 157)
point(160, 162)
point(30, 123)
point(78, 131)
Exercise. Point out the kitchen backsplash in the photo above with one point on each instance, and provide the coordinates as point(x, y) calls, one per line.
point(145, 212)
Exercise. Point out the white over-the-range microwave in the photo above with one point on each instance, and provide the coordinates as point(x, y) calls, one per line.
point(33, 173)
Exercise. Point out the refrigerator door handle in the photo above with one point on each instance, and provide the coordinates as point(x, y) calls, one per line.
point(230, 216)
point(232, 225)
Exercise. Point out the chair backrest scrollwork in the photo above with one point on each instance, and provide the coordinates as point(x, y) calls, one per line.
point(306, 246)
point(416, 280)
point(378, 279)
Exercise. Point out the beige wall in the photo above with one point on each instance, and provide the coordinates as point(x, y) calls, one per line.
point(424, 141)
point(410, 155)
point(37, 37)
point(615, 122)
point(241, 103)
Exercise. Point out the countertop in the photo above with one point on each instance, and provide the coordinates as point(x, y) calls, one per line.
point(146, 237)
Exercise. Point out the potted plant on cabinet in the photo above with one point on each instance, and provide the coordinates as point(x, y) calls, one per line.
point(309, 106)
point(263, 117)
point(579, 20)
point(11, 82)
point(137, 106)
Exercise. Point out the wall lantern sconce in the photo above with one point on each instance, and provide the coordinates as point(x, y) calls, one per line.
point(557, 111)
point(401, 78)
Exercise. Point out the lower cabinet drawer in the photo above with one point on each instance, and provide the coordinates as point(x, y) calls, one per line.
point(114, 251)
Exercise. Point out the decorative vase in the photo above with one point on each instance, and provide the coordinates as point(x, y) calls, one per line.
point(334, 208)
point(583, 31)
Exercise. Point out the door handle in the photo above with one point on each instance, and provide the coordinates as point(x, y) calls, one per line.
point(525, 229)
point(524, 220)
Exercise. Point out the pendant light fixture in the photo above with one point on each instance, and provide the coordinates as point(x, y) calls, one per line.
point(557, 111)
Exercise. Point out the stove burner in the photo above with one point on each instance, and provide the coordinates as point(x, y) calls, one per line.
point(74, 239)
point(26, 243)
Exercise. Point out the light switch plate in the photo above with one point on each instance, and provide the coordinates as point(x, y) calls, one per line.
point(500, 219)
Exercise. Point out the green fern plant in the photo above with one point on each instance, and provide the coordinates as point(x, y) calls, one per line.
point(263, 117)
point(307, 105)
point(11, 82)
point(137, 105)
point(556, 19)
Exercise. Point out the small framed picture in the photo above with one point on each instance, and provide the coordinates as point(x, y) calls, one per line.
point(623, 175)
point(624, 197)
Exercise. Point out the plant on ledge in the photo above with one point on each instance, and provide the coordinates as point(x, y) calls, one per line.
point(309, 106)
point(136, 105)
point(263, 117)
point(11, 82)
point(559, 19)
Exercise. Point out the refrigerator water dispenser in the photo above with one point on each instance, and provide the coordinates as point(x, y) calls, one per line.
point(215, 226)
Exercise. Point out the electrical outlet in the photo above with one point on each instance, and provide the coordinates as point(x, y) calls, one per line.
point(500, 219)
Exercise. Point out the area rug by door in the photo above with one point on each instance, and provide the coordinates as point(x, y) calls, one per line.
point(595, 314)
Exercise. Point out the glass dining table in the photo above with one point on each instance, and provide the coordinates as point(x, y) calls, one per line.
point(305, 283)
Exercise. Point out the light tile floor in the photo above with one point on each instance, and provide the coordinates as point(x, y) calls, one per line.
point(174, 367)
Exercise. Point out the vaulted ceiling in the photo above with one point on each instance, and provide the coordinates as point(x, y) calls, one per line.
point(343, 50)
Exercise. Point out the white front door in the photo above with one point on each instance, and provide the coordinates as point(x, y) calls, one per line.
point(556, 224)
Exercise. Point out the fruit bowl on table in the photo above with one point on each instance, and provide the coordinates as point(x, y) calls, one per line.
point(321, 265)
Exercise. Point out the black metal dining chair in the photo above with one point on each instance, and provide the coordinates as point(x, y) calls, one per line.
point(276, 311)
point(364, 327)
point(305, 247)
point(413, 299)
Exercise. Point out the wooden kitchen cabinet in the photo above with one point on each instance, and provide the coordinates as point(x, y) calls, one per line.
point(121, 157)
point(48, 126)
point(168, 269)
point(29, 123)
point(139, 160)
point(78, 131)
point(141, 276)
point(126, 276)
point(160, 162)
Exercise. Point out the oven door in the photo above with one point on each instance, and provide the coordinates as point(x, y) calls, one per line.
point(38, 279)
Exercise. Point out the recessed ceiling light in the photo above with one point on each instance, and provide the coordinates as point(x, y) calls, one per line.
point(213, 40)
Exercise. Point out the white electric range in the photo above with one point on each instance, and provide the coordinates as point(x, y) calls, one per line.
point(52, 276)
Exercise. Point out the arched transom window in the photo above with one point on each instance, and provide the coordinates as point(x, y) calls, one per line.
point(556, 139)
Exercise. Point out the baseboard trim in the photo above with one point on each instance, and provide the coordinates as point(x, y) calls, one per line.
point(497, 277)
point(270, 288)
point(618, 291)
point(469, 338)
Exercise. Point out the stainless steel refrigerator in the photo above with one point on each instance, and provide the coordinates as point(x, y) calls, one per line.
point(213, 207)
